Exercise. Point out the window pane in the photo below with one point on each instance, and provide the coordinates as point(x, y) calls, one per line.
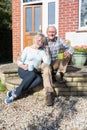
point(28, 19)
point(30, 0)
point(83, 12)
point(36, 19)
point(51, 13)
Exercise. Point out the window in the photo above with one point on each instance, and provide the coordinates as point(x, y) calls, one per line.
point(30, 0)
point(51, 13)
point(36, 18)
point(28, 19)
point(83, 14)
point(33, 18)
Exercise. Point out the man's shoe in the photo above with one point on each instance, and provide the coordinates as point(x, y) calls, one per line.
point(61, 81)
point(49, 99)
point(9, 100)
point(59, 77)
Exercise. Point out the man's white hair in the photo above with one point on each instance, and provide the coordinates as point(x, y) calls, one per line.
point(52, 25)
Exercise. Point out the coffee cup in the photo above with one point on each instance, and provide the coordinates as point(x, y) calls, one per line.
point(30, 67)
point(60, 56)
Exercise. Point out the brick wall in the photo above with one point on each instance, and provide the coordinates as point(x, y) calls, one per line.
point(68, 21)
point(16, 28)
point(68, 16)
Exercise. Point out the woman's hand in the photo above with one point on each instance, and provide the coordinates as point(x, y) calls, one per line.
point(19, 58)
point(25, 67)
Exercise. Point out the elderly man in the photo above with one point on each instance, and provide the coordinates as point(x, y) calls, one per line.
point(55, 45)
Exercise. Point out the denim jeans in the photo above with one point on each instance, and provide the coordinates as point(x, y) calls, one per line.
point(30, 80)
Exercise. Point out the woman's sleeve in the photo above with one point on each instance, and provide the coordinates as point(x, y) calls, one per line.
point(22, 57)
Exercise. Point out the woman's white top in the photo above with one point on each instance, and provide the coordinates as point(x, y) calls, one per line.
point(33, 57)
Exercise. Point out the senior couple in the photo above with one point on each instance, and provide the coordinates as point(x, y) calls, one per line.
point(42, 56)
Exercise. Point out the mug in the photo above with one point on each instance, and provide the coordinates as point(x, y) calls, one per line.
point(60, 56)
point(30, 67)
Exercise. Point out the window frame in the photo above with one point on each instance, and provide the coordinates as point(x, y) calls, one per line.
point(81, 27)
point(31, 2)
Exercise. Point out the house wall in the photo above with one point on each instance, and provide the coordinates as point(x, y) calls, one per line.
point(68, 16)
point(68, 21)
point(16, 28)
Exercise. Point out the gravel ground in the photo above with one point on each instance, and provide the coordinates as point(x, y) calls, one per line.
point(31, 113)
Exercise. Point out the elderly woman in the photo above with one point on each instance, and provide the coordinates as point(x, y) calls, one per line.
point(31, 58)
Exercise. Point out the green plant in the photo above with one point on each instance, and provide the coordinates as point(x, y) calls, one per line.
point(82, 48)
point(2, 86)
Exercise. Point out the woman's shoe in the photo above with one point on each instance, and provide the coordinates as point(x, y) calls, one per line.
point(9, 100)
point(10, 93)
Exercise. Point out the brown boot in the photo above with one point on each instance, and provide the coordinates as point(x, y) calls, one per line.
point(49, 99)
point(59, 77)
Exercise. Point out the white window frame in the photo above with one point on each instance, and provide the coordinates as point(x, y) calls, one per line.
point(84, 27)
point(32, 2)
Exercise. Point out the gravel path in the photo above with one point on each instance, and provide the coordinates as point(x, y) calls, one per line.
point(31, 113)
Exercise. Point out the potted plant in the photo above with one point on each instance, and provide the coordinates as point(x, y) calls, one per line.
point(80, 49)
point(80, 55)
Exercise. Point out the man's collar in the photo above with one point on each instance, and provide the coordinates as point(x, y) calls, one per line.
point(54, 40)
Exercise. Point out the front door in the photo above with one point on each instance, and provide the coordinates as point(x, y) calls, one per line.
point(32, 22)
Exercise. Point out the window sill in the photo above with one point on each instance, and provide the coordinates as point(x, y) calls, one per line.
point(81, 31)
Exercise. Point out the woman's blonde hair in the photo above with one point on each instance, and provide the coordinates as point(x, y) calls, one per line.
point(39, 35)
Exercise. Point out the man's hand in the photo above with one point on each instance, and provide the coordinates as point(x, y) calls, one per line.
point(67, 55)
point(47, 48)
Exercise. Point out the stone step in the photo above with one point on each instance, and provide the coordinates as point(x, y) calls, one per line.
point(15, 81)
point(76, 80)
point(8, 70)
point(68, 88)
point(12, 82)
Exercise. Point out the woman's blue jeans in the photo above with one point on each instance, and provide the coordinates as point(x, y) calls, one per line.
point(30, 80)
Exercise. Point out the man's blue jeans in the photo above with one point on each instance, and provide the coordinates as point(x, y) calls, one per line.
point(30, 80)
